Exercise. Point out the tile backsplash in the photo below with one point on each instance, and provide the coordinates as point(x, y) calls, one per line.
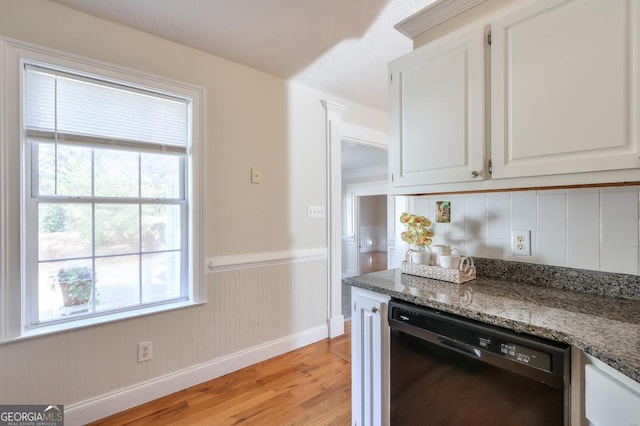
point(590, 228)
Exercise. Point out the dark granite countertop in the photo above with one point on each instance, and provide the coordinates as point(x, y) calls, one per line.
point(605, 327)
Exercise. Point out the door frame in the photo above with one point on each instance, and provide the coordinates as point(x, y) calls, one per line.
point(336, 132)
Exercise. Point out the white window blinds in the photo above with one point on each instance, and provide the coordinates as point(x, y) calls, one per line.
point(74, 108)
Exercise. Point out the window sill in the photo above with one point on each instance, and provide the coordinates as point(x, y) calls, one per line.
point(44, 330)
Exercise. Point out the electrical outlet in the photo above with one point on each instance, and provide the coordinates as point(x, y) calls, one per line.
point(315, 211)
point(521, 243)
point(145, 351)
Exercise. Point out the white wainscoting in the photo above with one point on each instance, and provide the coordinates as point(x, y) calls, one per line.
point(123, 399)
point(373, 238)
point(255, 305)
point(268, 305)
point(349, 256)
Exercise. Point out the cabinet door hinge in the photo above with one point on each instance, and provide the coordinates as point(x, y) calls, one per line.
point(490, 167)
point(489, 38)
point(391, 78)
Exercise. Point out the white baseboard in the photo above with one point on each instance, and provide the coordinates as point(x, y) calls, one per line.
point(123, 399)
point(336, 326)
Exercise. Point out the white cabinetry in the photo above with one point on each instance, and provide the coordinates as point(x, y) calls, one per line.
point(610, 398)
point(564, 88)
point(369, 359)
point(436, 114)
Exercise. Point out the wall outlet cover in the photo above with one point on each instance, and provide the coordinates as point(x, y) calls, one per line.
point(145, 351)
point(521, 243)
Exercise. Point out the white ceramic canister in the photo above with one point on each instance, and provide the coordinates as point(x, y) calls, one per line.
point(451, 261)
point(442, 252)
point(417, 256)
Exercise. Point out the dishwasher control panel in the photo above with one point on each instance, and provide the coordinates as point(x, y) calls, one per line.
point(514, 351)
point(526, 355)
point(479, 337)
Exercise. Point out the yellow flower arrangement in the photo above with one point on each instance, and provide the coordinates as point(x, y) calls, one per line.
point(418, 231)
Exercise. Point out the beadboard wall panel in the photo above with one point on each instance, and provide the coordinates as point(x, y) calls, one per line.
point(77, 365)
point(256, 305)
point(248, 308)
point(373, 238)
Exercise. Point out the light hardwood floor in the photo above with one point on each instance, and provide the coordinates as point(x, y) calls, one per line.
point(373, 261)
point(308, 386)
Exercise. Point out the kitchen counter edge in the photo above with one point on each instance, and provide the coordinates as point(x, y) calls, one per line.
point(384, 283)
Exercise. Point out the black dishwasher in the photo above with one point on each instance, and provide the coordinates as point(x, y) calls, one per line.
point(449, 370)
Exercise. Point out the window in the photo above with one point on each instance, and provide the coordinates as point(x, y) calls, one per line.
point(108, 182)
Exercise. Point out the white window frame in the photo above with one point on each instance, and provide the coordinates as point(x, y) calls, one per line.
point(14, 318)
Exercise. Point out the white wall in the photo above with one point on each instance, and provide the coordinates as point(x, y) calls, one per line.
point(252, 120)
point(373, 210)
point(591, 228)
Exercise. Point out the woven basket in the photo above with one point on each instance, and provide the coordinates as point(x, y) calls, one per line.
point(436, 272)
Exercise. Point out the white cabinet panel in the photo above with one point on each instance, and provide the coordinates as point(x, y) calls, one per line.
point(369, 359)
point(436, 113)
point(609, 401)
point(564, 88)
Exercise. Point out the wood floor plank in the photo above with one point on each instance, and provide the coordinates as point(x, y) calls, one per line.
point(308, 386)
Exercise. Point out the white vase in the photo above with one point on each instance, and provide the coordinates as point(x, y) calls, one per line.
point(416, 256)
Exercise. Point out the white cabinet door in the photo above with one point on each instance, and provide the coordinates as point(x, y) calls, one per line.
point(369, 359)
point(436, 112)
point(610, 398)
point(564, 88)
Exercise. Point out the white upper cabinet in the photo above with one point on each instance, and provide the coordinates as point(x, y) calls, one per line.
point(564, 88)
point(436, 114)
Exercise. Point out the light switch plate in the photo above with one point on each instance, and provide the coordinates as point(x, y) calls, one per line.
point(256, 175)
point(315, 211)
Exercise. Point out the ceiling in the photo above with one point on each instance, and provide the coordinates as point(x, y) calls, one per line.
point(341, 47)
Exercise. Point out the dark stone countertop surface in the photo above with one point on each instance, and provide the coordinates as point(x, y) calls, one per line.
point(605, 327)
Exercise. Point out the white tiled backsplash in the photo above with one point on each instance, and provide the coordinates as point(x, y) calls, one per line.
point(591, 228)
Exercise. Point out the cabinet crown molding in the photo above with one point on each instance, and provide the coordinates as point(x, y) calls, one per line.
point(432, 15)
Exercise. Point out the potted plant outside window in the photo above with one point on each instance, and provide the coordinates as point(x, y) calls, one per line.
point(76, 284)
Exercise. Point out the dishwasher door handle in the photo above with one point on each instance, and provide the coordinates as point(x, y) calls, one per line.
point(436, 339)
point(462, 347)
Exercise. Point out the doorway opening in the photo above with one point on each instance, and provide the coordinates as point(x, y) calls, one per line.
point(341, 137)
point(364, 229)
point(372, 233)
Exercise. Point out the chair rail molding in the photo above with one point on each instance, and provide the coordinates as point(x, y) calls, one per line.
point(253, 260)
